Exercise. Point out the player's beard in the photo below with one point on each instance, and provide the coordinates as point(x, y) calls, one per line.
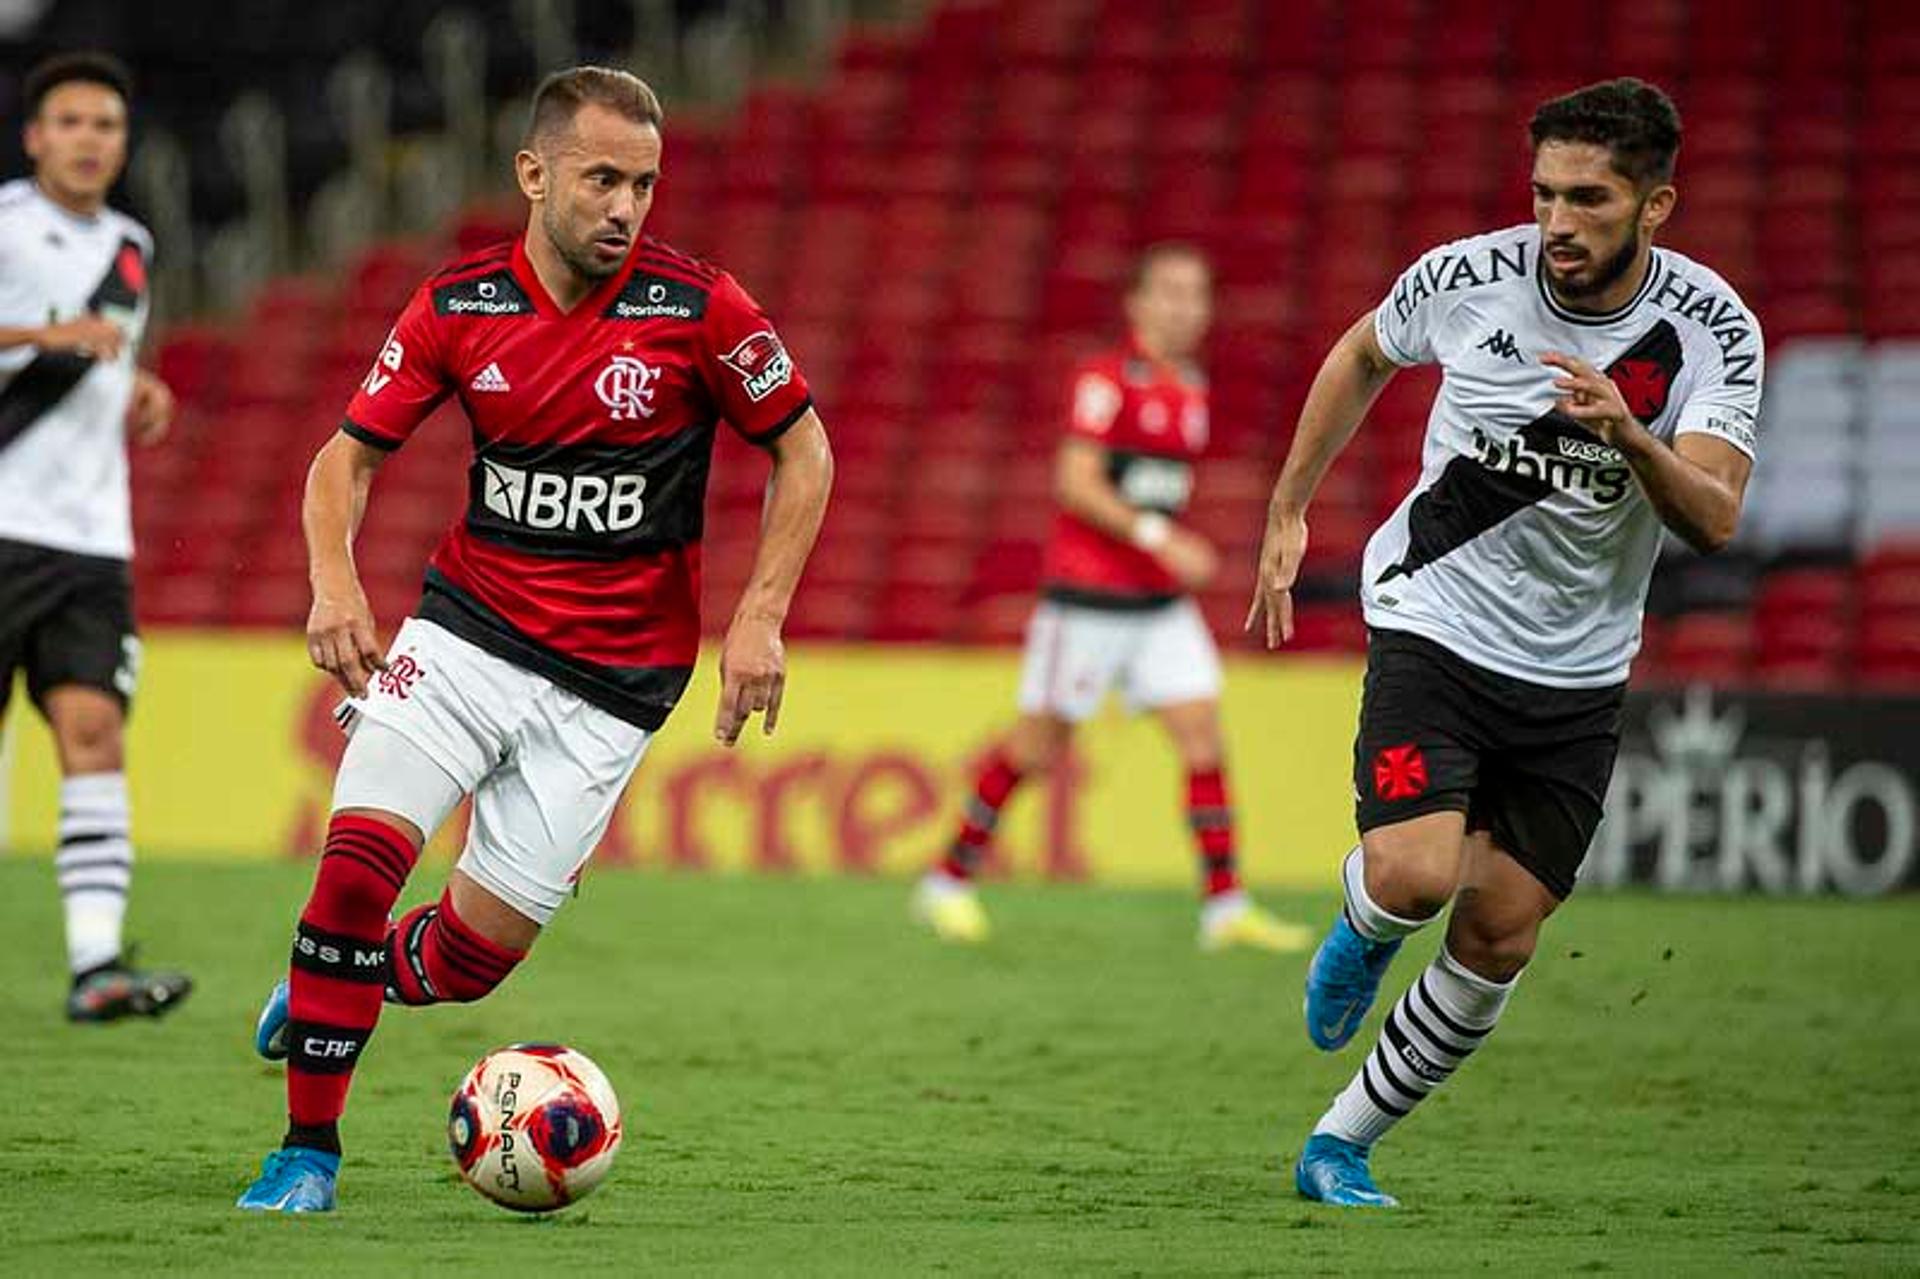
point(578, 256)
point(1610, 272)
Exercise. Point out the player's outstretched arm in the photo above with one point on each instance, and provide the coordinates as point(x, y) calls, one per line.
point(753, 663)
point(1081, 486)
point(1697, 484)
point(341, 638)
point(89, 335)
point(1344, 388)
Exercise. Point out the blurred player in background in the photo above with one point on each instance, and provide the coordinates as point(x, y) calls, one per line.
point(73, 307)
point(1597, 390)
point(1116, 612)
point(560, 620)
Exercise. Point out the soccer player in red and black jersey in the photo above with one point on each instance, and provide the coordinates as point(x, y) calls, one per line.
point(1116, 611)
point(560, 618)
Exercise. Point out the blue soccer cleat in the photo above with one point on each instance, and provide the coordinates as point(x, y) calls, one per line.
point(1332, 1171)
point(293, 1179)
point(270, 1032)
point(1342, 981)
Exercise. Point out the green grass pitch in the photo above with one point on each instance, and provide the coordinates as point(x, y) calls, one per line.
point(811, 1087)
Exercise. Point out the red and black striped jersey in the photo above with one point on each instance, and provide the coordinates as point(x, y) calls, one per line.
point(578, 555)
point(1151, 418)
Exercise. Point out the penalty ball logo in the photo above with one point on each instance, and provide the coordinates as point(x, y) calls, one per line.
point(508, 1100)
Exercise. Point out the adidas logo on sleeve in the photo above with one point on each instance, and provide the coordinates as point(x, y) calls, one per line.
point(490, 379)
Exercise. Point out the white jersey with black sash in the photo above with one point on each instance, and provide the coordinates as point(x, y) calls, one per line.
point(1527, 545)
point(63, 453)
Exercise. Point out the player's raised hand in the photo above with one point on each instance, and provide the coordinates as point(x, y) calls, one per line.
point(1590, 397)
point(1281, 551)
point(753, 677)
point(341, 639)
point(90, 335)
point(150, 410)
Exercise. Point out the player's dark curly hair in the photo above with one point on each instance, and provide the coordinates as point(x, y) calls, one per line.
point(88, 66)
point(1631, 118)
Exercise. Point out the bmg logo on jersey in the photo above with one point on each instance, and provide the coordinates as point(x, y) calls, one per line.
point(550, 500)
point(1560, 461)
point(626, 386)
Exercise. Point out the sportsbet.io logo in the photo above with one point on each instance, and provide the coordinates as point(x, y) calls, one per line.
point(488, 302)
point(661, 303)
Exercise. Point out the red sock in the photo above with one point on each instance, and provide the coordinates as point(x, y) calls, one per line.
point(996, 782)
point(1211, 817)
point(436, 957)
point(339, 967)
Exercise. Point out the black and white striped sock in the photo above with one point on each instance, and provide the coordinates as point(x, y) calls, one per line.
point(1437, 1024)
point(94, 866)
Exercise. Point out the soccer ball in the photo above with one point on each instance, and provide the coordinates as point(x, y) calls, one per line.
point(534, 1126)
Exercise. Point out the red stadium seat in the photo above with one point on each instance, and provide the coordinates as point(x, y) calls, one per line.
point(941, 223)
point(1889, 650)
point(1712, 648)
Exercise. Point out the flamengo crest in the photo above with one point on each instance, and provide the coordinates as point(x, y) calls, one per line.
point(626, 386)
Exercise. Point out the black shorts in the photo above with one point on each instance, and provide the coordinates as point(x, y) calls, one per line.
point(67, 619)
point(1524, 761)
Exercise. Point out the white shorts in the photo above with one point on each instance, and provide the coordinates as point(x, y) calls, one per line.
point(447, 719)
point(1156, 657)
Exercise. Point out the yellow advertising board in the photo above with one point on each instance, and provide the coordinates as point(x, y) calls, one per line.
point(232, 749)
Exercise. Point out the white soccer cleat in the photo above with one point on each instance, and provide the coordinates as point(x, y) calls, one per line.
point(951, 908)
point(1233, 919)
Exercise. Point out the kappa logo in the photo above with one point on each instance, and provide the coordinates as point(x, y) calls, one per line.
point(490, 379)
point(626, 386)
point(1501, 343)
point(762, 363)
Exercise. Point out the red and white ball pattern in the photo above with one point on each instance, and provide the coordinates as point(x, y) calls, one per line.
point(534, 1126)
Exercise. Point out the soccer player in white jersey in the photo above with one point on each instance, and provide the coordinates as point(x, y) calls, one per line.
point(1597, 390)
point(73, 306)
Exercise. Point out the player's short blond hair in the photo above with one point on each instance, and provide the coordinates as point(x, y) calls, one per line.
point(562, 94)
